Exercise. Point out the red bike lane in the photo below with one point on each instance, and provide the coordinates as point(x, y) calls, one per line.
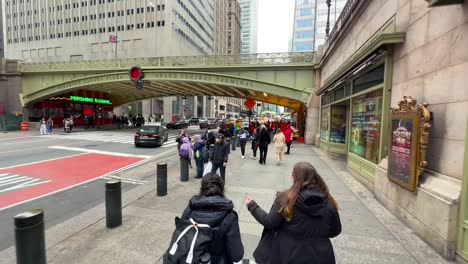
point(24, 183)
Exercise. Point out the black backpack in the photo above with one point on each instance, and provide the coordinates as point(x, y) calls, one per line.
point(189, 243)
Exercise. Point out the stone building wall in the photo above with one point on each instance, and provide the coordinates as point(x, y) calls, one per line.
point(431, 65)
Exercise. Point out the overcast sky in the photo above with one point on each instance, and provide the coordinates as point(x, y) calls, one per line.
point(275, 25)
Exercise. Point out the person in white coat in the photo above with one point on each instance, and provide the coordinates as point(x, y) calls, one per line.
point(43, 127)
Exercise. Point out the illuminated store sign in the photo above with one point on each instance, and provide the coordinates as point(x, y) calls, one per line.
point(90, 100)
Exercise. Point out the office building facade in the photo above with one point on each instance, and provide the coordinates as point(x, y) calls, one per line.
point(304, 26)
point(321, 14)
point(81, 30)
point(2, 43)
point(227, 27)
point(310, 21)
point(40, 31)
point(249, 23)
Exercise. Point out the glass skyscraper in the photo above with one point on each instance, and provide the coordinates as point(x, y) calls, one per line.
point(321, 18)
point(304, 26)
point(310, 20)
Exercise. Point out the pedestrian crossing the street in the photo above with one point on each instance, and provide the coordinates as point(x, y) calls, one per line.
point(11, 182)
point(123, 138)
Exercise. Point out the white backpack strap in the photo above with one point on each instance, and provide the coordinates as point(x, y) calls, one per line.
point(175, 245)
point(192, 246)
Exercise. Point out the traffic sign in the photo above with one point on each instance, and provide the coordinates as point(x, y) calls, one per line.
point(249, 103)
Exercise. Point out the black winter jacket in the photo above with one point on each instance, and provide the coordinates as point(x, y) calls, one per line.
point(220, 153)
point(303, 240)
point(218, 213)
point(264, 139)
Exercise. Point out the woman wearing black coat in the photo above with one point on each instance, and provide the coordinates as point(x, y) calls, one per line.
point(212, 208)
point(264, 140)
point(300, 223)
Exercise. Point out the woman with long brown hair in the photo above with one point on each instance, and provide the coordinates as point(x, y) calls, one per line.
point(300, 223)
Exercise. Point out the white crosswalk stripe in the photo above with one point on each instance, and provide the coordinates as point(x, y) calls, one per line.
point(123, 138)
point(10, 182)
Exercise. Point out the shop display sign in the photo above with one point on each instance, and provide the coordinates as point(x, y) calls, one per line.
point(89, 100)
point(409, 134)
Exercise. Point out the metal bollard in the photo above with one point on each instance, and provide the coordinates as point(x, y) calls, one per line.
point(113, 203)
point(161, 179)
point(233, 143)
point(184, 170)
point(228, 142)
point(30, 237)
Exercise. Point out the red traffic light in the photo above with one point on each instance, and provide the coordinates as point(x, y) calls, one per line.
point(136, 73)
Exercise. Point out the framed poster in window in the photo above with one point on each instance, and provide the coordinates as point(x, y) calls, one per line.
point(408, 137)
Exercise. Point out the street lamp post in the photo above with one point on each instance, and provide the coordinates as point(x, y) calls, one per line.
point(327, 28)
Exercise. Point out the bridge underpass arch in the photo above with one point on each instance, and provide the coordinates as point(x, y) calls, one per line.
point(160, 83)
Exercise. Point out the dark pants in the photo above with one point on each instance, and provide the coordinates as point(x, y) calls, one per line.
point(263, 153)
point(200, 167)
point(254, 150)
point(242, 146)
point(289, 146)
point(221, 168)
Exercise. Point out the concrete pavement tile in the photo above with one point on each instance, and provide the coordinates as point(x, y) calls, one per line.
point(371, 244)
point(353, 256)
point(253, 229)
point(138, 240)
point(250, 244)
point(155, 215)
point(356, 219)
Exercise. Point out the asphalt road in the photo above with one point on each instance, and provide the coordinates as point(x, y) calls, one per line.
point(71, 202)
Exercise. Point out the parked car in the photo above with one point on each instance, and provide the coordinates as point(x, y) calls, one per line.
point(151, 136)
point(194, 121)
point(181, 124)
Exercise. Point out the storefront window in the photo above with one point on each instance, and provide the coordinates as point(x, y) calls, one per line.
point(338, 124)
point(369, 79)
point(366, 126)
point(324, 123)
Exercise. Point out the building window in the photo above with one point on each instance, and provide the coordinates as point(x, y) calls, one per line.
point(304, 12)
point(304, 34)
point(304, 46)
point(304, 23)
point(369, 79)
point(324, 123)
point(366, 126)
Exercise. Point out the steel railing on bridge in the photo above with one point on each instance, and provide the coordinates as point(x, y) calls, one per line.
point(292, 58)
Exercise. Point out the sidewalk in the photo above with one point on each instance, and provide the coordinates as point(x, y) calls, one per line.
point(370, 233)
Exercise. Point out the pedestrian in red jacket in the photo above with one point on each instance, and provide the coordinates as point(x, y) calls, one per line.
point(288, 133)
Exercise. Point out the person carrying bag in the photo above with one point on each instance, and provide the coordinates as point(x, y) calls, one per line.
point(300, 223)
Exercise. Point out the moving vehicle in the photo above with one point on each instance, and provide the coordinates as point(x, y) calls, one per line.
point(181, 124)
point(209, 123)
point(194, 121)
point(151, 136)
point(171, 124)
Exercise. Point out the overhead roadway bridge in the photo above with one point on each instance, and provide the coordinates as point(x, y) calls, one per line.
point(285, 79)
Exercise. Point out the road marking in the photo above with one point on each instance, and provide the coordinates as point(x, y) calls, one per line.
point(35, 162)
point(24, 181)
point(33, 183)
point(127, 180)
point(101, 152)
point(13, 179)
point(27, 142)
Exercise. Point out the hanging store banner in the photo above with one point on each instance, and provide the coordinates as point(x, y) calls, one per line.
point(409, 134)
